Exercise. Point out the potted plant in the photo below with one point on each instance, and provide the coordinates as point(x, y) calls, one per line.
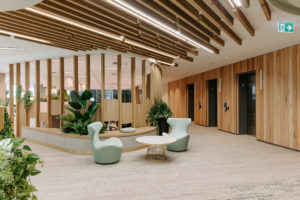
point(158, 114)
point(81, 115)
point(18, 165)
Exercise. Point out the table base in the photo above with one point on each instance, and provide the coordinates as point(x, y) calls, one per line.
point(156, 152)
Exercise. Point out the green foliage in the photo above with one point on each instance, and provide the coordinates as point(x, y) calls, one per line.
point(7, 132)
point(81, 115)
point(160, 109)
point(104, 128)
point(54, 97)
point(27, 101)
point(18, 164)
point(43, 99)
point(4, 102)
point(19, 94)
point(66, 97)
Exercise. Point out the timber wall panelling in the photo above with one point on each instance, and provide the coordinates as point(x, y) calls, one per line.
point(277, 96)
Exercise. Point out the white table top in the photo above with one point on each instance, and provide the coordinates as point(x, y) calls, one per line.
point(156, 140)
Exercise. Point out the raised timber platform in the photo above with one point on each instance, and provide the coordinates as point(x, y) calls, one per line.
point(80, 144)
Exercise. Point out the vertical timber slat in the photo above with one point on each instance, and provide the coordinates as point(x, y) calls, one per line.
point(120, 89)
point(102, 85)
point(37, 92)
point(76, 73)
point(27, 85)
point(133, 90)
point(62, 87)
point(11, 92)
point(18, 117)
point(49, 87)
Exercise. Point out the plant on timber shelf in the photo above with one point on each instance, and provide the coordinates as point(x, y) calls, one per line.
point(19, 93)
point(27, 101)
point(81, 115)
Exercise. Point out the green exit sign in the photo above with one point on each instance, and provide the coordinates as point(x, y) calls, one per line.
point(285, 27)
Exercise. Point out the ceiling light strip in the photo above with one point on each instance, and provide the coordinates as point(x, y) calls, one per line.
point(147, 18)
point(237, 3)
point(24, 36)
point(149, 48)
point(116, 37)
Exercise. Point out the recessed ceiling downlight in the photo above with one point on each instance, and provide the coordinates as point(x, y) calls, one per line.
point(289, 6)
point(10, 5)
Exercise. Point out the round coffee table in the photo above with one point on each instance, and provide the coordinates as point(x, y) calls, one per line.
point(156, 146)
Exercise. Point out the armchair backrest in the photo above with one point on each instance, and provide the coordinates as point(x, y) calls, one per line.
point(94, 130)
point(179, 125)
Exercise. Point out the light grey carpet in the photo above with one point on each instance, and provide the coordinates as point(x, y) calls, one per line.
point(217, 166)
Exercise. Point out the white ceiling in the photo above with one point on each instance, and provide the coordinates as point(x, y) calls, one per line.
point(7, 5)
point(266, 39)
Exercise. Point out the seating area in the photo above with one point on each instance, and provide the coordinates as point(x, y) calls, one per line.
point(149, 100)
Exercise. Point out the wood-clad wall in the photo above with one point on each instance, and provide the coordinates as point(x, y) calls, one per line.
point(277, 96)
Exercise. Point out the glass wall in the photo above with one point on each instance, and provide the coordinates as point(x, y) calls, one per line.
point(69, 74)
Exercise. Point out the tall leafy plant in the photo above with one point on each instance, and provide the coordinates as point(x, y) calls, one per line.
point(81, 115)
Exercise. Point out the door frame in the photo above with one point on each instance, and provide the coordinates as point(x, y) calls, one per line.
point(238, 98)
point(187, 99)
point(207, 100)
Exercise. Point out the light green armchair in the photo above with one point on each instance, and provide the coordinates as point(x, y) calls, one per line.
point(107, 151)
point(179, 128)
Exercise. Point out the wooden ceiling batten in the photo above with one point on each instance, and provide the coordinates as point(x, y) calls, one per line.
point(246, 3)
point(221, 11)
point(244, 21)
point(266, 9)
point(210, 14)
point(69, 12)
point(201, 25)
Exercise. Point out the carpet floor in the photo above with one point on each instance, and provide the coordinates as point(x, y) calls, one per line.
point(217, 166)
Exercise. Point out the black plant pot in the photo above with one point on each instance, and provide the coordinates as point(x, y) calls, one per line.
point(163, 125)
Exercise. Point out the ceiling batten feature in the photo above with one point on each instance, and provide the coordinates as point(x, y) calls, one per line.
point(221, 11)
point(47, 14)
point(266, 9)
point(211, 15)
point(149, 48)
point(149, 19)
point(242, 18)
point(87, 13)
point(208, 29)
point(246, 3)
point(21, 36)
